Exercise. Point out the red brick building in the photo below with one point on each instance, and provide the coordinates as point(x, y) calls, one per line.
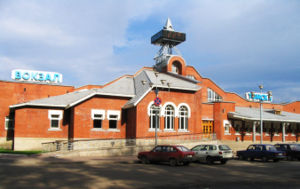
point(34, 113)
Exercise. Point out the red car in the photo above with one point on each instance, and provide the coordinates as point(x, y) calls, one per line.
point(174, 154)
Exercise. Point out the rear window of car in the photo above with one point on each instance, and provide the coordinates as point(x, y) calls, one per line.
point(224, 147)
point(295, 147)
point(183, 149)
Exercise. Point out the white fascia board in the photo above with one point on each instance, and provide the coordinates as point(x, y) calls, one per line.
point(43, 105)
point(180, 88)
point(257, 119)
point(97, 93)
point(113, 94)
point(150, 89)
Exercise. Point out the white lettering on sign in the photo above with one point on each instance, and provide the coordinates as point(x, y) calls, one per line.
point(36, 76)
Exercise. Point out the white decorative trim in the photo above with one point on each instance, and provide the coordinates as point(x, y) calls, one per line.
point(149, 108)
point(186, 105)
point(183, 131)
point(55, 112)
point(113, 112)
point(96, 111)
point(164, 107)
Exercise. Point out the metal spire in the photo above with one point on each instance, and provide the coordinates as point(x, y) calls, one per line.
point(168, 25)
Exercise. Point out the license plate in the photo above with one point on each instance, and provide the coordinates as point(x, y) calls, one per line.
point(280, 154)
point(189, 156)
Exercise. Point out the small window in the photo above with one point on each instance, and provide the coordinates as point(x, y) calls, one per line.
point(55, 116)
point(97, 116)
point(113, 117)
point(227, 129)
point(8, 123)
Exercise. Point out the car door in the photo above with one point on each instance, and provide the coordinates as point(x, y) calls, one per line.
point(155, 154)
point(203, 152)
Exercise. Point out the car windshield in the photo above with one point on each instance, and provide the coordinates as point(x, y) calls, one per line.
point(224, 147)
point(183, 149)
point(271, 148)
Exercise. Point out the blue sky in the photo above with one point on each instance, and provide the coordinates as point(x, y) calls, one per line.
point(237, 44)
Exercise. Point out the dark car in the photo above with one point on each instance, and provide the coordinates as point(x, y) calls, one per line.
point(175, 155)
point(264, 152)
point(292, 151)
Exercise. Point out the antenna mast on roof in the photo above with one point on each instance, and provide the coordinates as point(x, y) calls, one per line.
point(167, 38)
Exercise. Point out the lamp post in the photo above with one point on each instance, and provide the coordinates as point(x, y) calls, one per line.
point(157, 109)
point(261, 121)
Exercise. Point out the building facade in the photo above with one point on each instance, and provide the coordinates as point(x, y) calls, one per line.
point(34, 113)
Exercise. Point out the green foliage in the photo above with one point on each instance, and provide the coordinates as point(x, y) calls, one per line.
point(29, 152)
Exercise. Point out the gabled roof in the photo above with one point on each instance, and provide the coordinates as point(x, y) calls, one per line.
point(133, 87)
point(123, 87)
point(146, 80)
point(267, 115)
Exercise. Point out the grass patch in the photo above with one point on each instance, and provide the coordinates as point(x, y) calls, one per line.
point(27, 152)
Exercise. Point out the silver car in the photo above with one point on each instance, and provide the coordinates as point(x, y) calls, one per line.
point(212, 152)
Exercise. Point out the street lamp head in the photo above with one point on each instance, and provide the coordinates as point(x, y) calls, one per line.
point(261, 87)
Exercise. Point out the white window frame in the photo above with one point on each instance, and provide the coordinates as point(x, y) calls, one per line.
point(152, 128)
point(97, 112)
point(113, 113)
point(227, 124)
point(185, 118)
point(60, 116)
point(169, 116)
point(7, 121)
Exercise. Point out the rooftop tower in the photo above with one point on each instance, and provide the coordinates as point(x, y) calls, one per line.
point(168, 39)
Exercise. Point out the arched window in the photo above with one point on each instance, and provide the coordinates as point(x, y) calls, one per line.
point(154, 116)
point(183, 118)
point(176, 67)
point(169, 117)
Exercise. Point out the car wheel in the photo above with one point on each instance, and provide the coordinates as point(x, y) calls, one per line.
point(223, 161)
point(275, 160)
point(209, 160)
point(173, 162)
point(145, 160)
point(186, 163)
point(241, 157)
point(264, 159)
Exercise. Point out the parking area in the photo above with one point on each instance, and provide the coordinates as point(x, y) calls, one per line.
point(127, 172)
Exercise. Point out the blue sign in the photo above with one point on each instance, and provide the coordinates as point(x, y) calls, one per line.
point(36, 76)
point(257, 97)
point(157, 101)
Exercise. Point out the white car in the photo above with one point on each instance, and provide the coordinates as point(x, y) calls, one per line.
point(212, 152)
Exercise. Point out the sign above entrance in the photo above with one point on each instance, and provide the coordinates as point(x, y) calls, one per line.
point(36, 76)
point(257, 97)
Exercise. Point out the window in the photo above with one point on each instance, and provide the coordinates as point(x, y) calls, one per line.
point(183, 118)
point(227, 129)
point(212, 96)
point(97, 117)
point(169, 117)
point(8, 123)
point(55, 116)
point(113, 117)
point(154, 116)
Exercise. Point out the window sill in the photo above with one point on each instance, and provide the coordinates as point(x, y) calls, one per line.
point(169, 130)
point(237, 134)
point(114, 130)
point(153, 130)
point(248, 134)
point(54, 129)
point(183, 131)
point(97, 129)
point(227, 133)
